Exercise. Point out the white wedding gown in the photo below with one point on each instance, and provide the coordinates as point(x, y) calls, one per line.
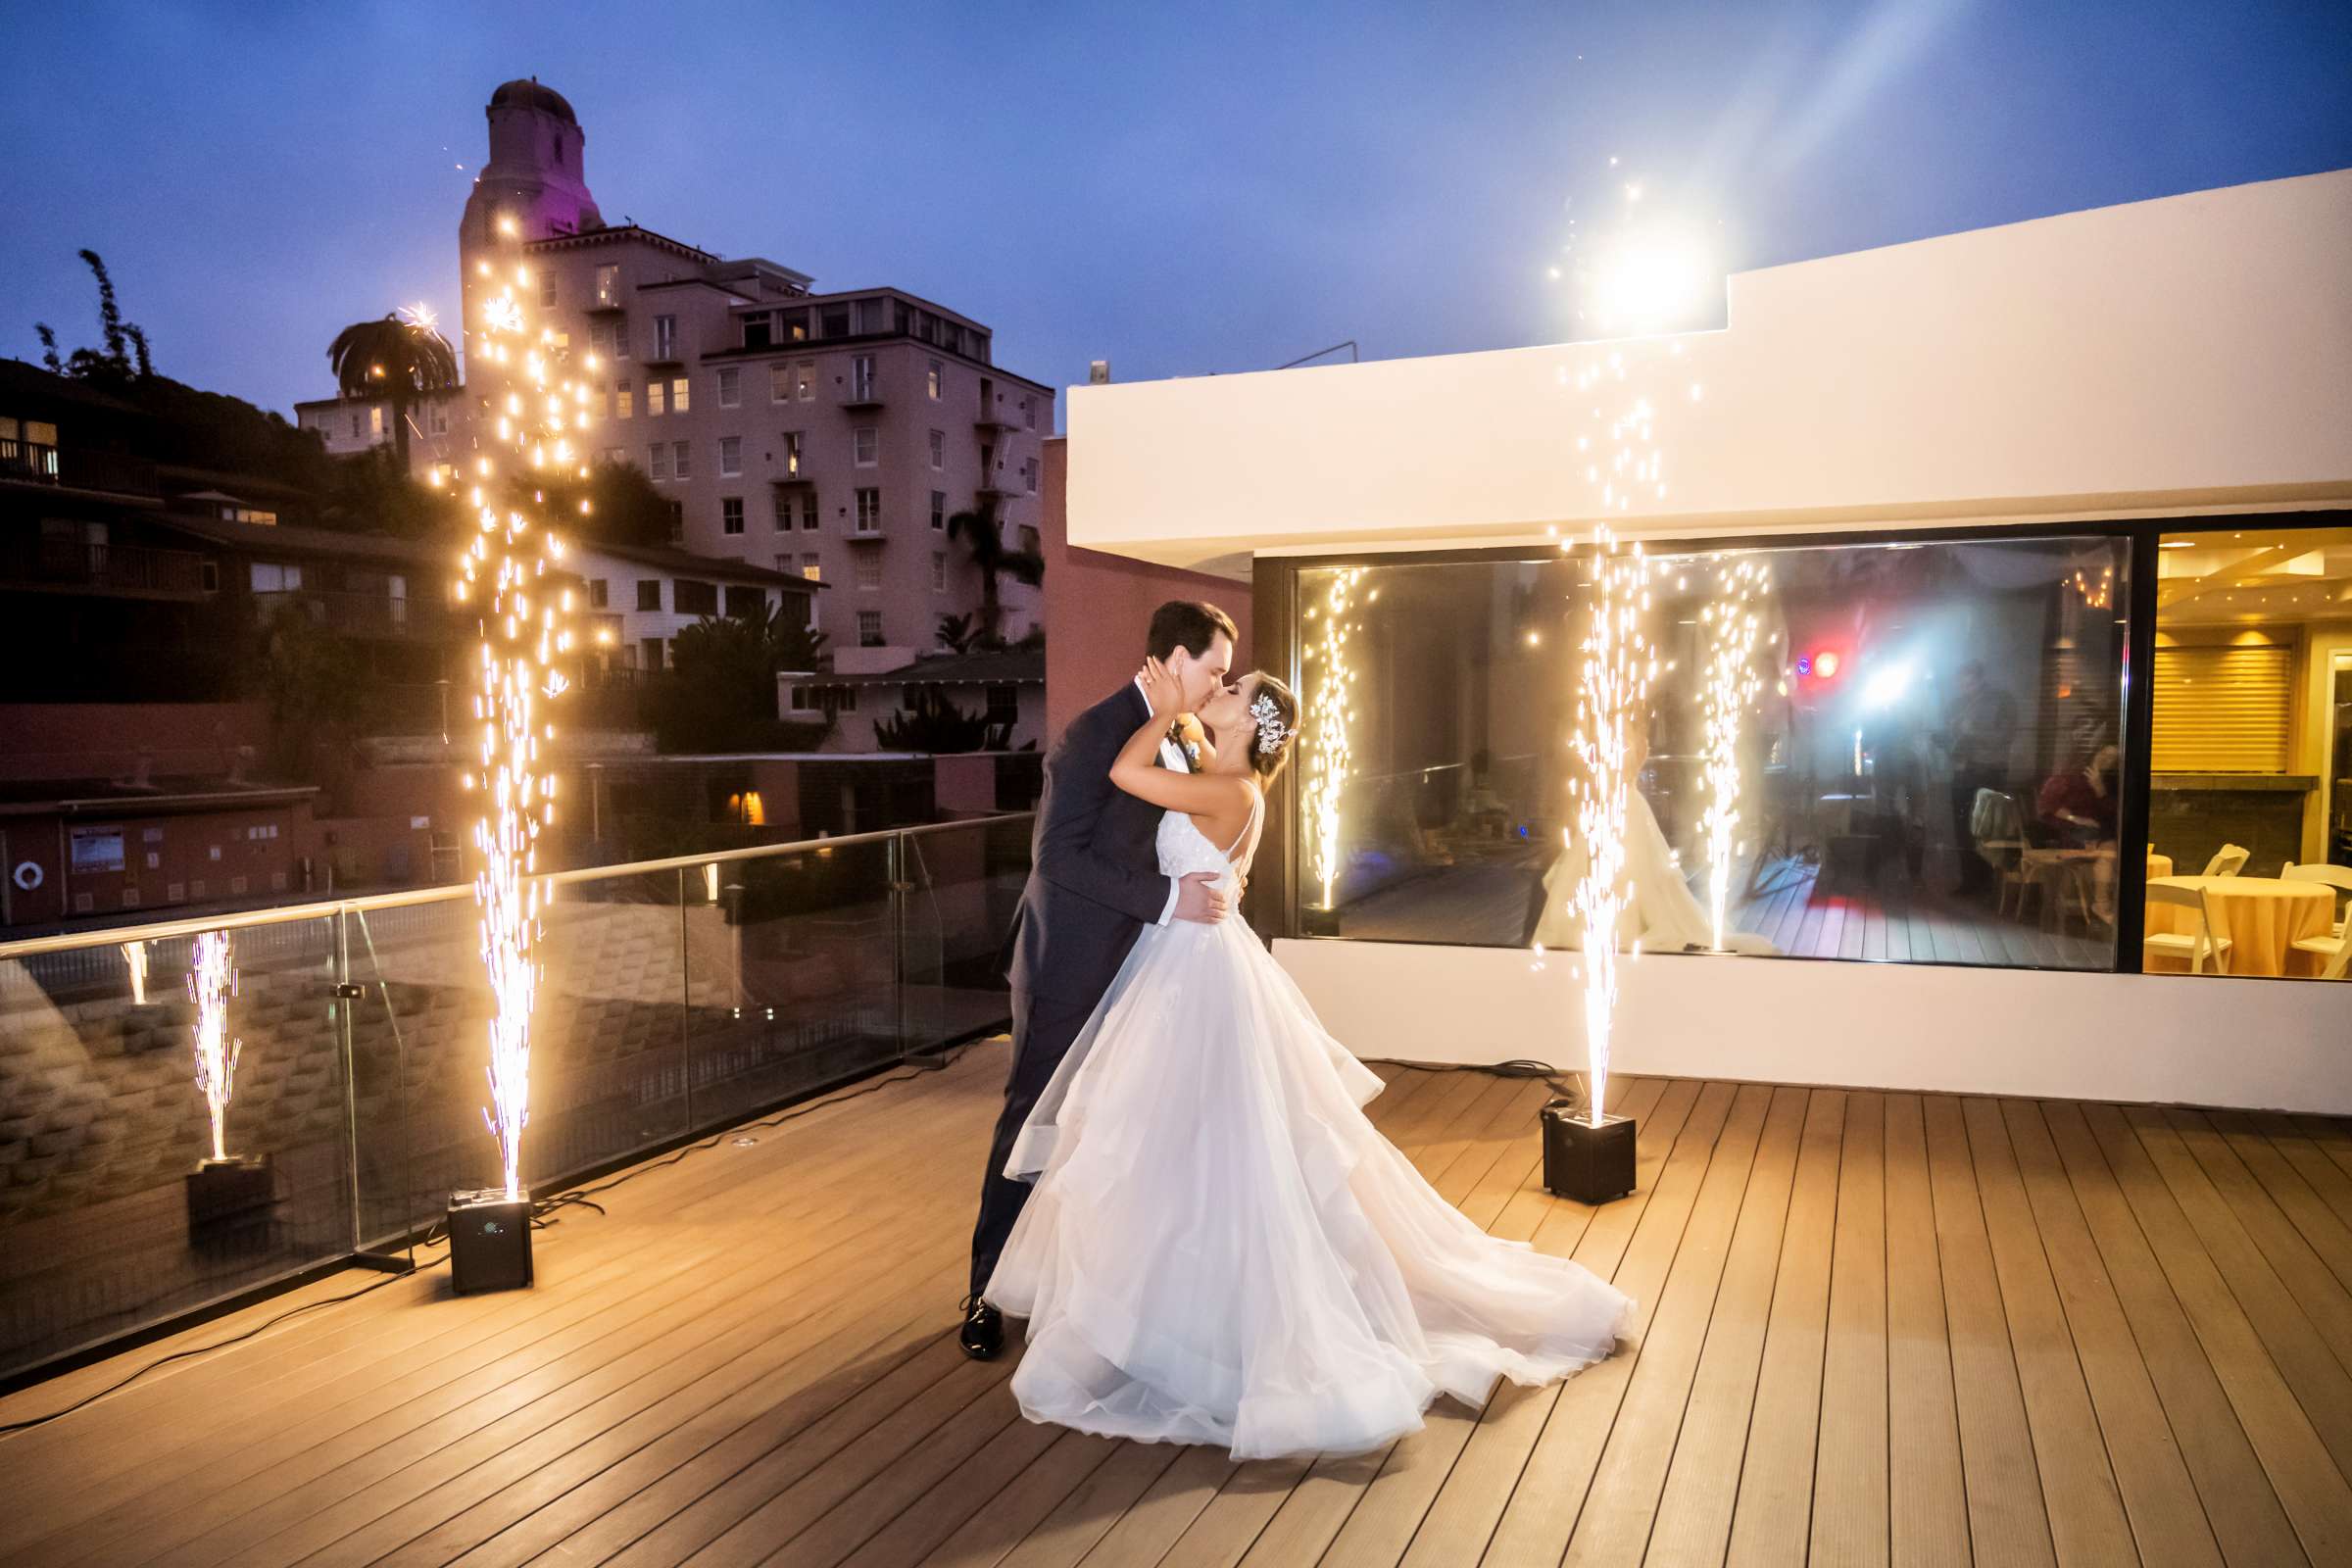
point(1221, 1248)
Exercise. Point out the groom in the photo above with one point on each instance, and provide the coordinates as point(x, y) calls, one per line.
point(1093, 882)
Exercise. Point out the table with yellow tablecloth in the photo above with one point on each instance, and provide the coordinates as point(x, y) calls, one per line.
point(2263, 917)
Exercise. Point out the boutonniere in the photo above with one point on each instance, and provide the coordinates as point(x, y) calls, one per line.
point(1186, 744)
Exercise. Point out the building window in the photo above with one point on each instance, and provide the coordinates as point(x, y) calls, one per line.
point(939, 449)
point(811, 567)
point(805, 379)
point(1029, 540)
point(1028, 416)
point(779, 383)
point(730, 455)
point(865, 445)
point(677, 395)
point(783, 512)
point(870, 511)
point(665, 338)
point(833, 320)
point(359, 422)
point(1029, 473)
point(759, 330)
point(620, 338)
point(272, 577)
point(653, 653)
point(657, 460)
point(730, 515)
point(747, 604)
point(689, 596)
point(678, 459)
point(939, 571)
point(1004, 704)
point(657, 397)
point(730, 386)
point(547, 287)
point(624, 400)
point(939, 512)
point(437, 420)
point(861, 379)
point(648, 597)
point(795, 325)
point(808, 512)
point(938, 374)
point(870, 316)
point(608, 285)
point(792, 452)
point(868, 570)
point(596, 593)
point(869, 628)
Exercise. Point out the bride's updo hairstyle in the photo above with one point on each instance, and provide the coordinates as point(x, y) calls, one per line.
point(1277, 713)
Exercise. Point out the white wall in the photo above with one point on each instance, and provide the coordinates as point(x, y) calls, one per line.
point(2260, 1044)
point(2193, 351)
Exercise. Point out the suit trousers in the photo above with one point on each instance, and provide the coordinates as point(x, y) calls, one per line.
point(1043, 1031)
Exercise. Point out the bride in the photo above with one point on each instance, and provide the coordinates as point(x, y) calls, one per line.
point(1220, 1248)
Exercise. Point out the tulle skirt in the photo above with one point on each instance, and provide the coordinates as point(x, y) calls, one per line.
point(1221, 1248)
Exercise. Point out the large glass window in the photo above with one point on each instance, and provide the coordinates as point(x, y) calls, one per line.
point(1913, 750)
point(2250, 762)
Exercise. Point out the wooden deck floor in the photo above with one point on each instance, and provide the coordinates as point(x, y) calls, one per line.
point(1875, 1328)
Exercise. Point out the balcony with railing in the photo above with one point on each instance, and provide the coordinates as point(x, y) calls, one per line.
point(115, 473)
point(80, 566)
point(359, 613)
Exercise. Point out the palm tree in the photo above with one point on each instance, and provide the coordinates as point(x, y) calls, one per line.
point(981, 535)
point(399, 360)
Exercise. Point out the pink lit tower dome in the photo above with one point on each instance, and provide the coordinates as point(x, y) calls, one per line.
point(534, 172)
point(535, 176)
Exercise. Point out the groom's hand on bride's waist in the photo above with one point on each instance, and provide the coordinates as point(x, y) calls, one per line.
point(1198, 899)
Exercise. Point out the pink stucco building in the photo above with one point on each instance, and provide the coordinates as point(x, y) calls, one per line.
point(831, 434)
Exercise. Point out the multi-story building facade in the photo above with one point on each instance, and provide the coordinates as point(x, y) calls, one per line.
point(827, 435)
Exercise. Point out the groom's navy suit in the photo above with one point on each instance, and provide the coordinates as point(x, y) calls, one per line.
point(1094, 884)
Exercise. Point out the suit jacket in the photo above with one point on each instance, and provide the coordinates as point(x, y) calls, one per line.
point(1093, 871)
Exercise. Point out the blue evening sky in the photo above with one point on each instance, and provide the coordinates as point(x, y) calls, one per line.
point(1179, 188)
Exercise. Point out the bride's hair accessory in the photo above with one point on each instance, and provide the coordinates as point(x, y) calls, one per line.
point(1271, 731)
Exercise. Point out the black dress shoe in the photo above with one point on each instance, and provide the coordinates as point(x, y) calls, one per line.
point(983, 1333)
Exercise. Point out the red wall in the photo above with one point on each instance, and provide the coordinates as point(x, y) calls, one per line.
point(1097, 605)
point(103, 740)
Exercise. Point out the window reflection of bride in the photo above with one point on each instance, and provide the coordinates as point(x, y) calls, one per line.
point(1661, 911)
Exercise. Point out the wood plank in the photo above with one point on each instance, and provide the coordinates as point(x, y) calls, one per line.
point(1773, 1521)
point(1693, 1521)
point(2298, 1232)
point(2311, 1364)
point(1928, 1520)
point(2078, 1479)
point(2008, 1516)
point(2174, 1518)
point(2306, 1479)
point(1849, 1522)
point(2330, 1181)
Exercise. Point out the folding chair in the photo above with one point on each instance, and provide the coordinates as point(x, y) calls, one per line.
point(2195, 946)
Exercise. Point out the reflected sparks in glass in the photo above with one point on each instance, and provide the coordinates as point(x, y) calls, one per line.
point(1328, 715)
point(211, 981)
point(1728, 665)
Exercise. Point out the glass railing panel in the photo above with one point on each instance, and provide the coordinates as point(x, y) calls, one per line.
point(107, 1222)
point(959, 888)
point(791, 974)
point(607, 1068)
